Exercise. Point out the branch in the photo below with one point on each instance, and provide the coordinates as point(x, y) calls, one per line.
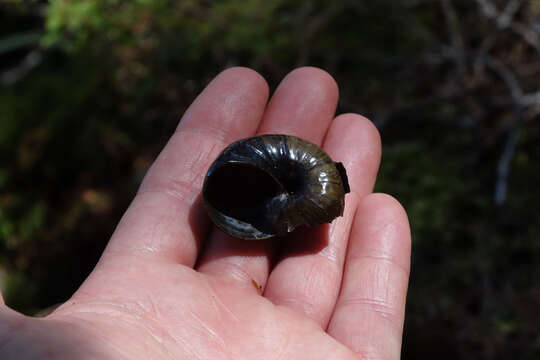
point(503, 168)
point(512, 137)
point(532, 99)
point(502, 19)
point(488, 9)
point(458, 44)
point(30, 61)
point(508, 14)
point(519, 102)
point(529, 35)
point(506, 18)
point(19, 40)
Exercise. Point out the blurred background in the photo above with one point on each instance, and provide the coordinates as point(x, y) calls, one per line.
point(90, 90)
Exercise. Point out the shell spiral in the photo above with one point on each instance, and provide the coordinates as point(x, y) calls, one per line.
point(268, 185)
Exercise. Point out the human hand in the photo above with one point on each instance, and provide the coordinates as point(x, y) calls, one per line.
point(171, 286)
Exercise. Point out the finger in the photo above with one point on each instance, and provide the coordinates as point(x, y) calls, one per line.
point(303, 105)
point(309, 282)
point(370, 310)
point(165, 219)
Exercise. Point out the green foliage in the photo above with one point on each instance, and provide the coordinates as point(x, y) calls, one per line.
point(20, 290)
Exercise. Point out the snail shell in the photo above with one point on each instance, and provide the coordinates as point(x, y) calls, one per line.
point(268, 185)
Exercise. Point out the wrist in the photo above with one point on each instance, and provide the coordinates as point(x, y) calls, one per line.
point(27, 338)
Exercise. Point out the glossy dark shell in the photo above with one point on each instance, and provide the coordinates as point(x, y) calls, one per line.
point(268, 185)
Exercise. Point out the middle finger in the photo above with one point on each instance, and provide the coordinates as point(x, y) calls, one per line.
point(303, 105)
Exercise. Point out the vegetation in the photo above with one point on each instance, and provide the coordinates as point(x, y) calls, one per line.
point(91, 89)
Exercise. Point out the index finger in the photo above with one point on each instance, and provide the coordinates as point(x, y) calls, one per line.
point(165, 218)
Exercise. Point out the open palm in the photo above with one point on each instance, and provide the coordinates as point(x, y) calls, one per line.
point(171, 286)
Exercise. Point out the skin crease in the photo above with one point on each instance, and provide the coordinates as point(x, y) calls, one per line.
point(170, 286)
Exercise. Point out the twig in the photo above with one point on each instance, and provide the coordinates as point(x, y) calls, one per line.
point(488, 9)
point(502, 19)
point(519, 102)
point(532, 99)
point(30, 61)
point(528, 34)
point(503, 168)
point(506, 19)
point(507, 76)
point(458, 44)
point(508, 14)
point(512, 137)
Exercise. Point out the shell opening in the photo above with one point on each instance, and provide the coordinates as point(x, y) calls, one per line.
point(248, 194)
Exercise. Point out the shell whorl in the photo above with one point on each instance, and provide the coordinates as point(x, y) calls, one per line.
point(268, 185)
